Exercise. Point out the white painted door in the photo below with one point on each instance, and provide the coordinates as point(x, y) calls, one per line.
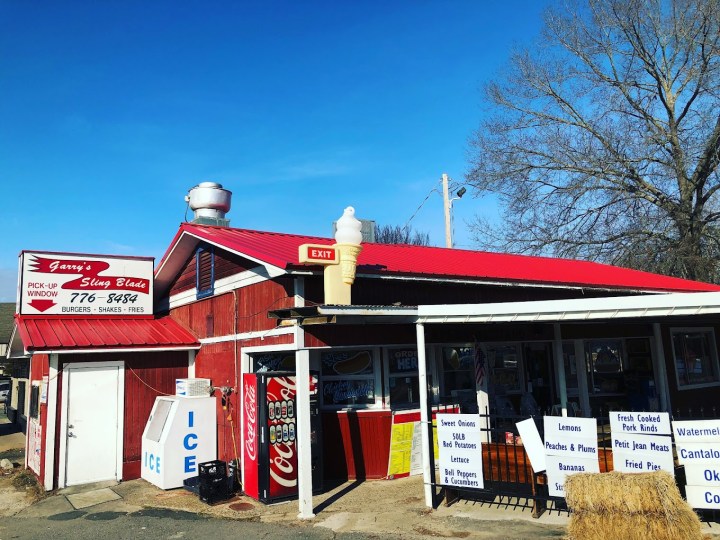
point(92, 433)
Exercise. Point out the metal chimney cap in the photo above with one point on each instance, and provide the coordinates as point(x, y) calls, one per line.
point(209, 185)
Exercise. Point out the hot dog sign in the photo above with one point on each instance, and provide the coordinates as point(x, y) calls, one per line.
point(75, 285)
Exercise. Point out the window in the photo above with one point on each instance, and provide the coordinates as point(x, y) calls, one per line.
point(696, 361)
point(21, 368)
point(605, 367)
point(505, 369)
point(458, 364)
point(403, 378)
point(205, 271)
point(35, 401)
point(571, 375)
point(348, 377)
point(274, 361)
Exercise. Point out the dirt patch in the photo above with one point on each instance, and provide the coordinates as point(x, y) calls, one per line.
point(18, 489)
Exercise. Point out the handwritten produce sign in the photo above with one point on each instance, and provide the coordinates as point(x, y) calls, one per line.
point(633, 449)
point(81, 285)
point(460, 446)
point(698, 448)
point(570, 447)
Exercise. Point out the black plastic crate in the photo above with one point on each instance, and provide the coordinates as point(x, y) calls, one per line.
point(213, 482)
point(212, 470)
point(192, 484)
point(216, 492)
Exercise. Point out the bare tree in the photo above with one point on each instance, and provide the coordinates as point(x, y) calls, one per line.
point(603, 141)
point(389, 234)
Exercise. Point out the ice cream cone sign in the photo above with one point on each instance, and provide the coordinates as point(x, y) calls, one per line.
point(340, 259)
point(348, 237)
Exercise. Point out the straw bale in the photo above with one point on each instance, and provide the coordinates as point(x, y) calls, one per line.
point(592, 526)
point(629, 506)
point(632, 493)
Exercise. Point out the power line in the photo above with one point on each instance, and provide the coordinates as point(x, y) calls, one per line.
point(419, 207)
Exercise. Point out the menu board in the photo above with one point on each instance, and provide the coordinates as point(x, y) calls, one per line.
point(570, 447)
point(698, 448)
point(641, 442)
point(460, 446)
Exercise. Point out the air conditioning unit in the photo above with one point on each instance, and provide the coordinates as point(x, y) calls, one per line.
point(192, 387)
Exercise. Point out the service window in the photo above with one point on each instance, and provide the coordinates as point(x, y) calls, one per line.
point(403, 379)
point(696, 362)
point(348, 377)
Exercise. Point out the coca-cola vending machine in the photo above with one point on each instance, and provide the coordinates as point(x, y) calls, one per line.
point(270, 432)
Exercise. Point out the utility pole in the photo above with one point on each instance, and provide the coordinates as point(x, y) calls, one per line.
point(447, 205)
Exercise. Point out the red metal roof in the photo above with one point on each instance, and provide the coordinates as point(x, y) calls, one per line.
point(281, 250)
point(55, 334)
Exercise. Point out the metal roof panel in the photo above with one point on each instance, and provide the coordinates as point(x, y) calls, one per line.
point(401, 260)
point(39, 334)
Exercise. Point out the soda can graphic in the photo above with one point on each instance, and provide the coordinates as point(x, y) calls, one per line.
point(273, 437)
point(285, 433)
point(291, 409)
point(283, 410)
point(277, 410)
point(291, 431)
point(271, 410)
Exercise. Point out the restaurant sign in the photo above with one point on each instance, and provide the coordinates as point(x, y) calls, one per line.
point(85, 285)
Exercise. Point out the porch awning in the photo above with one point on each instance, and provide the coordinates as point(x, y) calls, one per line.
point(61, 335)
point(578, 309)
point(334, 314)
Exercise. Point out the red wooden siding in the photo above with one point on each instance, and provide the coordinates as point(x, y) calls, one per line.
point(215, 316)
point(356, 444)
point(147, 375)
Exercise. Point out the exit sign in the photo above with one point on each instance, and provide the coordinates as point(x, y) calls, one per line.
point(318, 254)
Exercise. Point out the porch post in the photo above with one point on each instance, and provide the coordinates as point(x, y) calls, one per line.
point(425, 416)
point(302, 384)
point(560, 368)
point(660, 369)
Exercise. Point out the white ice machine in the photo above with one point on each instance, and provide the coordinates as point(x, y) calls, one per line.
point(180, 433)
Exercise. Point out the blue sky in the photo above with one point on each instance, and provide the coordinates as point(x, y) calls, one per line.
point(110, 111)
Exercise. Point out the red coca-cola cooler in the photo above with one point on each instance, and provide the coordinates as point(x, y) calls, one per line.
point(270, 433)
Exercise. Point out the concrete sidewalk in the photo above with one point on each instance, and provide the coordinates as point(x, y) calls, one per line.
point(393, 507)
point(384, 507)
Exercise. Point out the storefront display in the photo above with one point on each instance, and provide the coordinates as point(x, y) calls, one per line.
point(348, 377)
point(505, 369)
point(403, 377)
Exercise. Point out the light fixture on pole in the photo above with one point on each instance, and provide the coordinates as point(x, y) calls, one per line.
point(447, 204)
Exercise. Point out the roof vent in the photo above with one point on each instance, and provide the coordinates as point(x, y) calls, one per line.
point(210, 202)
